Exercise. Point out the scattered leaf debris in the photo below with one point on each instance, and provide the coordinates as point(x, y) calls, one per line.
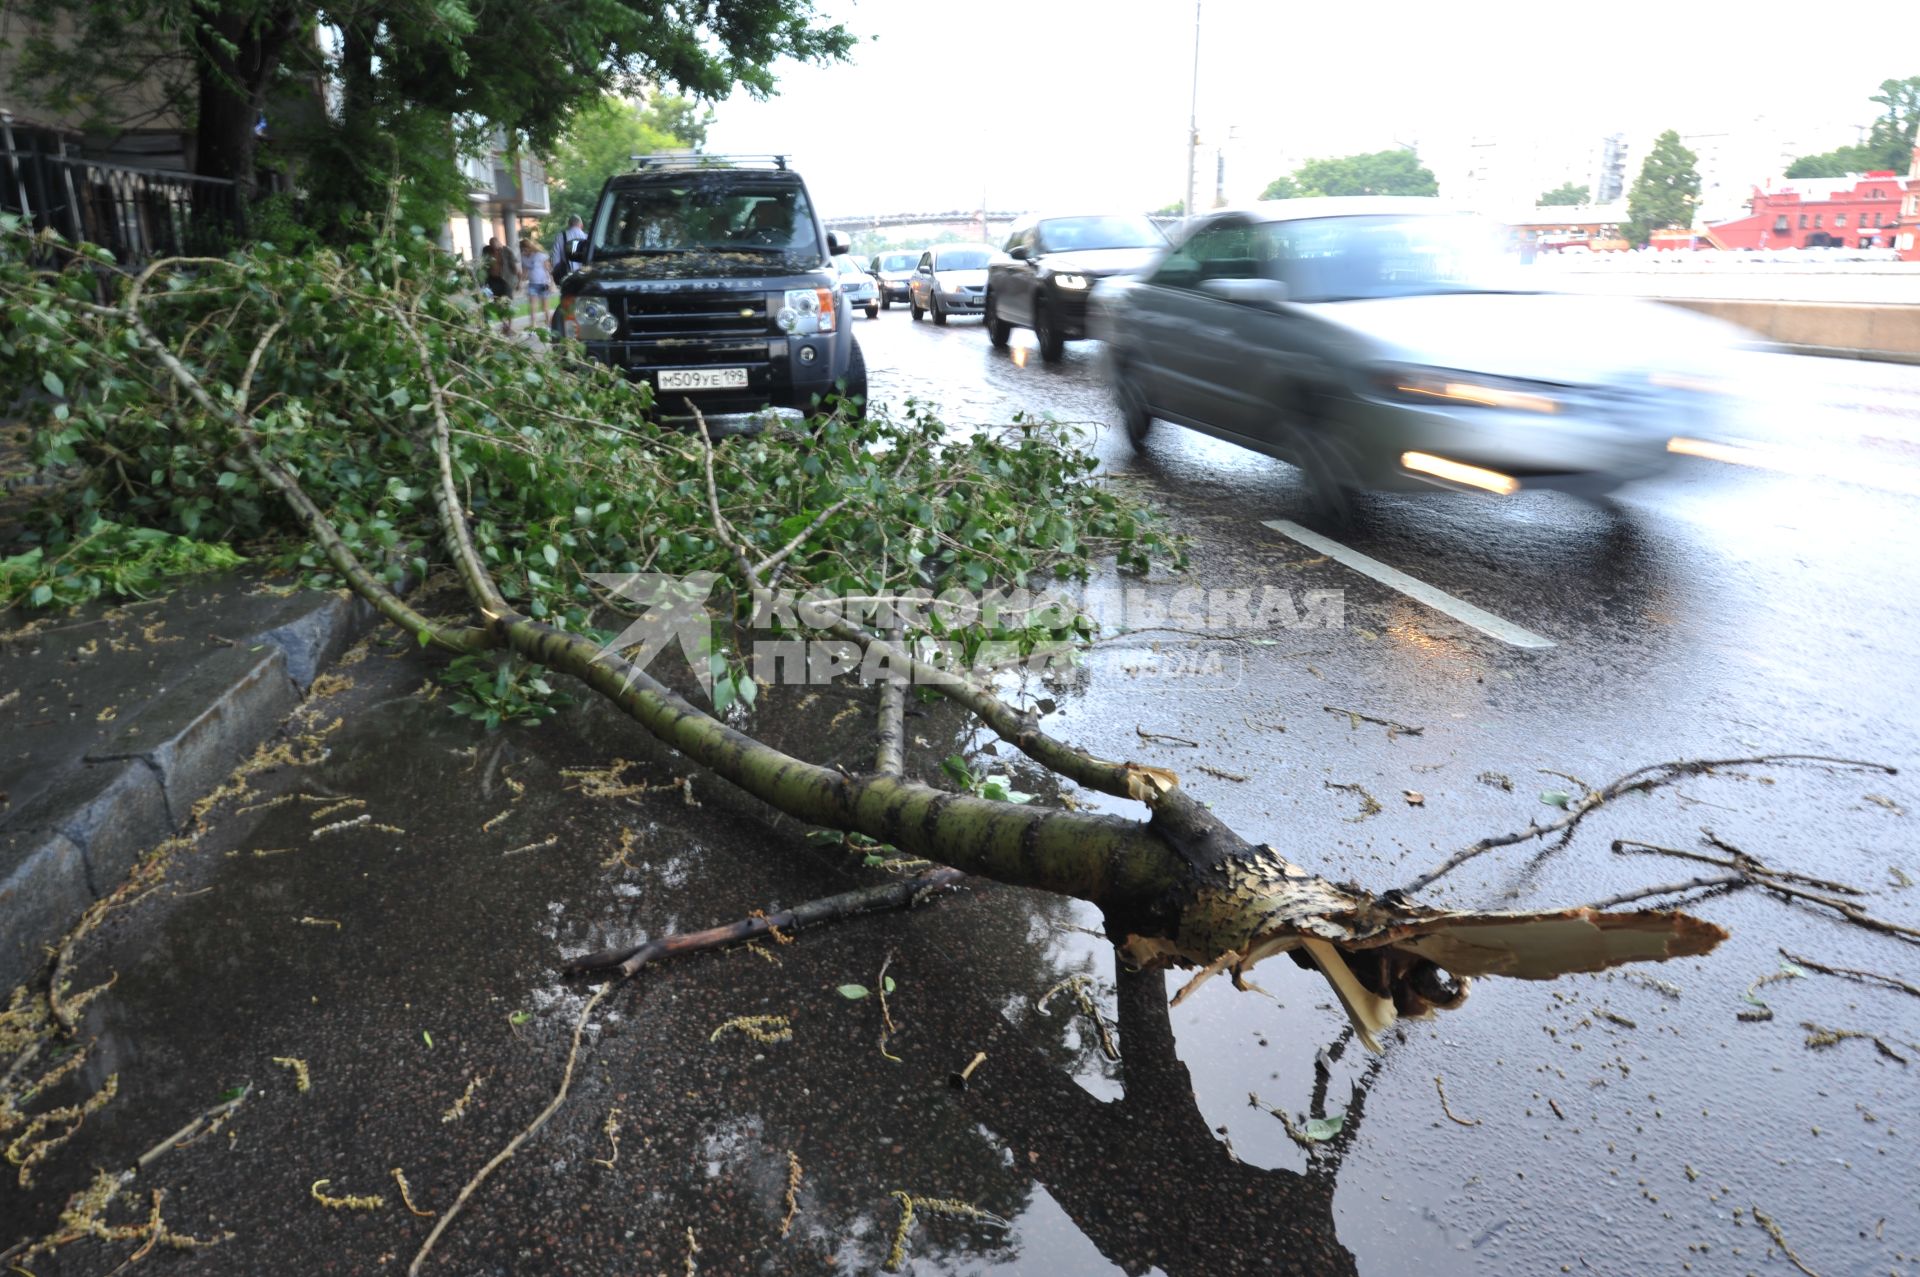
point(611, 1129)
point(910, 1206)
point(1369, 805)
point(1355, 718)
point(766, 1029)
point(350, 1202)
point(1820, 1037)
point(1078, 986)
point(458, 1109)
point(1779, 1239)
point(302, 1080)
point(406, 1194)
point(1440, 1085)
point(793, 1192)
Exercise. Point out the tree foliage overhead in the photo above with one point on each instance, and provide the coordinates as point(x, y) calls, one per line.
point(406, 75)
point(1667, 190)
point(1566, 195)
point(1392, 172)
point(1888, 146)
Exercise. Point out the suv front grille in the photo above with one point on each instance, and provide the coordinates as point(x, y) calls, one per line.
point(691, 315)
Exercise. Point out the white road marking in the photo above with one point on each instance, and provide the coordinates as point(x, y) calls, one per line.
point(1439, 600)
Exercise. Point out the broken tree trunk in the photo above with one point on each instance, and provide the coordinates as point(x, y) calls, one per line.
point(1178, 888)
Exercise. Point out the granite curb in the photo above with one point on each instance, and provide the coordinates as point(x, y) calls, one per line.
point(85, 801)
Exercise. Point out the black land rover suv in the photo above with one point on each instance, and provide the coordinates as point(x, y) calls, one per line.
point(708, 277)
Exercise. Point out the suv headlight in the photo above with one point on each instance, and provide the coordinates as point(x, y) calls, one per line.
point(592, 319)
point(805, 311)
point(1070, 281)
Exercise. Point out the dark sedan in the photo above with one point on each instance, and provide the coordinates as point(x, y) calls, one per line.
point(1385, 343)
point(1051, 264)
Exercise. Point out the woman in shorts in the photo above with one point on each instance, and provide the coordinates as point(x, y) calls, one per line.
point(536, 269)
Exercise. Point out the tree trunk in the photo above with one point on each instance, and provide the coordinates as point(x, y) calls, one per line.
point(237, 60)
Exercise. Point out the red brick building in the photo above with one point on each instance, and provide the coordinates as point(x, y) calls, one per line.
point(1848, 212)
point(1908, 238)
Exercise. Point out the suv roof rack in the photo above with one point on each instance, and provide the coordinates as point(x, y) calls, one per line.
point(699, 159)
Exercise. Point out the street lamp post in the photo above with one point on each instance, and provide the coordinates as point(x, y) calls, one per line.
point(1193, 111)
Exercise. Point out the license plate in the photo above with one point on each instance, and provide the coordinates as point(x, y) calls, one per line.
point(703, 379)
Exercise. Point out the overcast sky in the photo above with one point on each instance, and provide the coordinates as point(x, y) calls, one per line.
point(1044, 103)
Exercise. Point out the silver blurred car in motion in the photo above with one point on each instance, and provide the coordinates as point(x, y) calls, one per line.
point(1383, 344)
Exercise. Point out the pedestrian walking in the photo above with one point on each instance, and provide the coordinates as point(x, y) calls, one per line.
point(569, 248)
point(501, 272)
point(536, 271)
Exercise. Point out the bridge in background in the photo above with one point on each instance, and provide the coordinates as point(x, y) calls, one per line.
point(976, 222)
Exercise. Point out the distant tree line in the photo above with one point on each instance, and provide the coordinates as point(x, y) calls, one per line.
point(1889, 144)
point(1393, 172)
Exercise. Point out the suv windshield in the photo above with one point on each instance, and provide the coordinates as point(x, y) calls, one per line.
point(723, 211)
point(962, 259)
point(1078, 234)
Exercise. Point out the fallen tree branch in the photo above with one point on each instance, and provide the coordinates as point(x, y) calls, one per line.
point(1852, 973)
point(1750, 869)
point(493, 1164)
point(1642, 780)
point(887, 895)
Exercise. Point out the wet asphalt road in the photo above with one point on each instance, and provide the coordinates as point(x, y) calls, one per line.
point(1627, 1123)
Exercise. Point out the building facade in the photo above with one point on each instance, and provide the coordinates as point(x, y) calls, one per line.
point(1861, 211)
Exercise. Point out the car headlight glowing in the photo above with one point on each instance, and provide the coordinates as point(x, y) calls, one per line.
point(1465, 388)
point(1070, 281)
point(593, 320)
point(805, 311)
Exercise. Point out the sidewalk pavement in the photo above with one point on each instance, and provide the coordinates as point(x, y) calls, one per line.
point(115, 720)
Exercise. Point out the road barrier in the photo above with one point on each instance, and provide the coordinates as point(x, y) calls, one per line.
point(1847, 330)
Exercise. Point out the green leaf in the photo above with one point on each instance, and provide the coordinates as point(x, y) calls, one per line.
point(551, 554)
point(1556, 797)
point(889, 983)
point(519, 1018)
point(852, 992)
point(429, 1037)
point(1323, 1128)
point(55, 387)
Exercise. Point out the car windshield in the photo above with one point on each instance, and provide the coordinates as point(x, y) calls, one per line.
point(847, 266)
point(898, 261)
point(1079, 234)
point(721, 212)
point(962, 259)
point(1349, 258)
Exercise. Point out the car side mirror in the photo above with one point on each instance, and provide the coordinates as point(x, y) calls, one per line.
point(1268, 293)
point(1019, 252)
point(837, 243)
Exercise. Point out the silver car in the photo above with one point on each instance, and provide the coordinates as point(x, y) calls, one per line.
point(951, 279)
point(857, 286)
point(1385, 344)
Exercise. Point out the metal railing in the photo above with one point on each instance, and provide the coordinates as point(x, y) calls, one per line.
point(135, 213)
